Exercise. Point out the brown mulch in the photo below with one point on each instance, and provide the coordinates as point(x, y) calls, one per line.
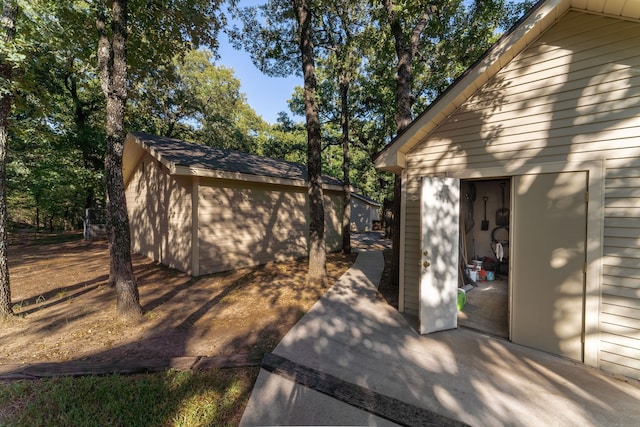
point(66, 312)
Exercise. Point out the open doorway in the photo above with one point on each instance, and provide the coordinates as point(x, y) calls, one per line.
point(484, 255)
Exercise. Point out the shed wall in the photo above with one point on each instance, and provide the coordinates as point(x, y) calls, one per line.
point(572, 96)
point(243, 224)
point(620, 314)
point(333, 212)
point(362, 215)
point(159, 208)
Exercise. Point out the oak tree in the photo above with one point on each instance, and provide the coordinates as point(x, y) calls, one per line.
point(9, 58)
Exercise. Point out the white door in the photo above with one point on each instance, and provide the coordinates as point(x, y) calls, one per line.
point(548, 249)
point(439, 213)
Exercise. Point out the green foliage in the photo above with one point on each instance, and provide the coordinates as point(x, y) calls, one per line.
point(55, 157)
point(198, 101)
point(169, 399)
point(57, 137)
point(269, 33)
point(56, 147)
point(285, 140)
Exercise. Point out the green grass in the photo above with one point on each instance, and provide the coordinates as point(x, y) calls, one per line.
point(173, 398)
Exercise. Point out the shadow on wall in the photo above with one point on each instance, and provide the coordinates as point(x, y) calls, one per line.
point(579, 107)
point(160, 215)
point(239, 224)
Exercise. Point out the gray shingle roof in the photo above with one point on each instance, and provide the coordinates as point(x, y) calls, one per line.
point(366, 199)
point(182, 153)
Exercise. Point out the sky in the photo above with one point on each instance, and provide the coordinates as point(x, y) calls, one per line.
point(266, 95)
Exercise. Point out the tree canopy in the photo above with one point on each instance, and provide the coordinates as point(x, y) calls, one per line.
point(53, 87)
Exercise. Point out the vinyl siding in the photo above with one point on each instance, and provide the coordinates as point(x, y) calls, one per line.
point(573, 95)
point(551, 103)
point(159, 210)
point(243, 224)
point(620, 313)
point(333, 211)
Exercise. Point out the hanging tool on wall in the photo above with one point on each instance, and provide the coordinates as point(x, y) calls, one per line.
point(485, 222)
point(471, 198)
point(502, 215)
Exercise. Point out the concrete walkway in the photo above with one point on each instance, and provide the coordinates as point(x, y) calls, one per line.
point(352, 355)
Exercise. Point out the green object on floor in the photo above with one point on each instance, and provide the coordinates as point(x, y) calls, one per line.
point(462, 299)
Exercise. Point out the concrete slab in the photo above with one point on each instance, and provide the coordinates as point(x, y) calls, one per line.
point(281, 401)
point(483, 381)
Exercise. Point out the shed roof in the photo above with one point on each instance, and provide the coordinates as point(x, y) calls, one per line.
point(185, 158)
point(540, 18)
point(366, 199)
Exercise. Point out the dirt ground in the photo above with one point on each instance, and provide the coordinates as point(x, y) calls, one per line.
point(65, 310)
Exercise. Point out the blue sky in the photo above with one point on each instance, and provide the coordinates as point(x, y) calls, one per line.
point(266, 95)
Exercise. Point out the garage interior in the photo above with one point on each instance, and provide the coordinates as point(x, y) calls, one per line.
point(484, 255)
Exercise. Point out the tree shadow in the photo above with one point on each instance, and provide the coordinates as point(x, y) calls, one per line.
point(196, 309)
point(569, 101)
point(352, 335)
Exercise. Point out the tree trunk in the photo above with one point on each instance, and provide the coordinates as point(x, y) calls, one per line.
point(112, 59)
point(317, 250)
point(7, 35)
point(37, 214)
point(346, 164)
point(406, 48)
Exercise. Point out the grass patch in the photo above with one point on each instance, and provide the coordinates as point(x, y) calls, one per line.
point(173, 398)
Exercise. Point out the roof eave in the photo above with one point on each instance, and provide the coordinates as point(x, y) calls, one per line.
point(541, 17)
point(235, 176)
point(391, 160)
point(182, 170)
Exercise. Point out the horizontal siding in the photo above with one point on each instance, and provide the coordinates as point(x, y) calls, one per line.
point(243, 224)
point(620, 312)
point(624, 287)
point(412, 247)
point(159, 208)
point(333, 213)
point(573, 95)
point(145, 206)
point(177, 243)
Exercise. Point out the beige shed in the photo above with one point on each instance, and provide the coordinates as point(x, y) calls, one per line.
point(202, 210)
point(365, 213)
point(550, 115)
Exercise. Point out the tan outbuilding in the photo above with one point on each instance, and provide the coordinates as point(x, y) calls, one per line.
point(365, 213)
point(550, 118)
point(202, 210)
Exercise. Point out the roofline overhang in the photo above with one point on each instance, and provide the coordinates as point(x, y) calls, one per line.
point(234, 176)
point(181, 170)
point(365, 199)
point(238, 176)
point(539, 18)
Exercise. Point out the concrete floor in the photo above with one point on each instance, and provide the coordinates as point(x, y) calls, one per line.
point(487, 308)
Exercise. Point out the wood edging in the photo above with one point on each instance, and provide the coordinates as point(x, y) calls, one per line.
point(386, 407)
point(78, 368)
